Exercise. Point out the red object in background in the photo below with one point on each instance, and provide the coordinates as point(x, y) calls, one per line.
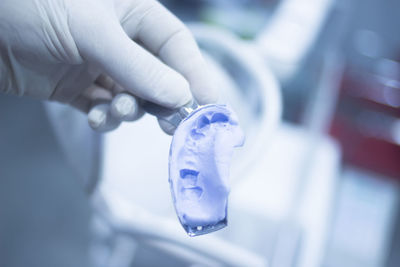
point(366, 152)
point(372, 91)
point(362, 125)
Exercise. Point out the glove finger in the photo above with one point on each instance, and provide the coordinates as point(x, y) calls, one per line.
point(167, 37)
point(89, 96)
point(97, 93)
point(107, 82)
point(96, 102)
point(125, 107)
point(100, 118)
point(102, 41)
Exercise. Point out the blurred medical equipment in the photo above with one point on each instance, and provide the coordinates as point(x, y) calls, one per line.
point(283, 181)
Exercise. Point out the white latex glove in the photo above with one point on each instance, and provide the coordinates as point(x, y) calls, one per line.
point(82, 51)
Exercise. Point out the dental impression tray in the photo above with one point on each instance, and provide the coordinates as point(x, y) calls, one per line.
point(199, 162)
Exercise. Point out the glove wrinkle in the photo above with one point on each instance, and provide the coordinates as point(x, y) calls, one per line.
point(55, 27)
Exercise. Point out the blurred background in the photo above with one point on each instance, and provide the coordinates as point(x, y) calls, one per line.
point(316, 85)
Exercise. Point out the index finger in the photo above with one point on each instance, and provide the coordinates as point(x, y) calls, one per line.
point(166, 36)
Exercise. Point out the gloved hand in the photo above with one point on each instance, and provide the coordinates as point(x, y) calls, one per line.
point(81, 51)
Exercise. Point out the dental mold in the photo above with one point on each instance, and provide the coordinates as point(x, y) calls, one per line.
point(199, 162)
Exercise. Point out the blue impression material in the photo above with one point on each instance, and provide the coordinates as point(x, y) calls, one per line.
point(199, 162)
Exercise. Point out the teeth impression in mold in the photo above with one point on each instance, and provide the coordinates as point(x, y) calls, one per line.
point(199, 162)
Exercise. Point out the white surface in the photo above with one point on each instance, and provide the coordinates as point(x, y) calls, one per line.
point(295, 182)
point(135, 165)
point(363, 221)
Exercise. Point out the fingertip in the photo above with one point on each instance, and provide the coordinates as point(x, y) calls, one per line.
point(204, 87)
point(100, 118)
point(125, 107)
point(206, 95)
point(175, 90)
